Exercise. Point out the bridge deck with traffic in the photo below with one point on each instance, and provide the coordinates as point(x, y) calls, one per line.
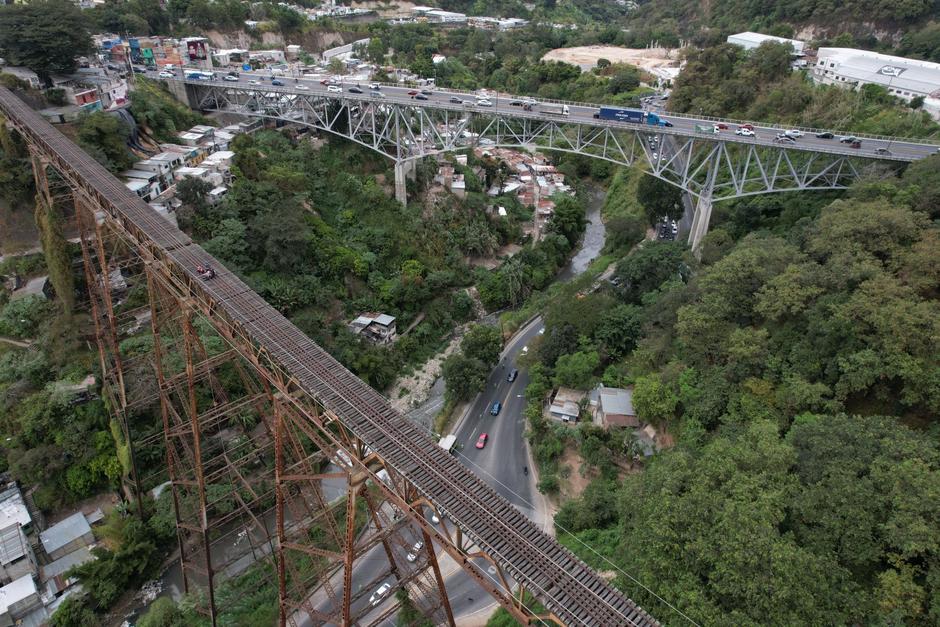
point(683, 125)
point(565, 585)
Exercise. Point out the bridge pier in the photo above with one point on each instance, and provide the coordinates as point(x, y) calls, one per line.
point(404, 170)
point(703, 214)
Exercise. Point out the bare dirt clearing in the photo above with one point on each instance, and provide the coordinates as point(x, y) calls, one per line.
point(586, 57)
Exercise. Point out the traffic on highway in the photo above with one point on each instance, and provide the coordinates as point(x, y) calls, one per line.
point(832, 142)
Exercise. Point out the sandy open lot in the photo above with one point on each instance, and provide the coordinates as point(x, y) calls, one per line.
point(649, 59)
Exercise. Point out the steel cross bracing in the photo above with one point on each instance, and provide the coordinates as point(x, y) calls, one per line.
point(407, 132)
point(220, 352)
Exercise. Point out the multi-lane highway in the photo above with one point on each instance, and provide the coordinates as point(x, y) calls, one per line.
point(682, 125)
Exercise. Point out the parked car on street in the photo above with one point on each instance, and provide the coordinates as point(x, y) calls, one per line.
point(413, 555)
point(379, 594)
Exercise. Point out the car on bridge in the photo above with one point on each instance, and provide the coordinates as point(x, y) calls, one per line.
point(484, 103)
point(355, 90)
point(794, 133)
point(824, 135)
point(334, 89)
point(166, 74)
point(375, 87)
point(230, 78)
point(421, 97)
point(454, 100)
point(782, 138)
point(277, 83)
point(744, 132)
point(481, 441)
point(848, 139)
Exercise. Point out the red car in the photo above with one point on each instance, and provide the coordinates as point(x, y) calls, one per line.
point(412, 93)
point(722, 126)
point(481, 442)
point(749, 127)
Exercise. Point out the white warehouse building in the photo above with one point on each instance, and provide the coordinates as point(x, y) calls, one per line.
point(749, 41)
point(903, 78)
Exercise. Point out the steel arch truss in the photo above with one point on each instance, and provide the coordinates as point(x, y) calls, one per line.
point(705, 166)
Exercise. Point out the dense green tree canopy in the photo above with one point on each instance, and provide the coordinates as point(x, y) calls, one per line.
point(46, 36)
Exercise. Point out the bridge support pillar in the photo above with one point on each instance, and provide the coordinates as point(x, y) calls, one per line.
point(703, 214)
point(703, 204)
point(404, 170)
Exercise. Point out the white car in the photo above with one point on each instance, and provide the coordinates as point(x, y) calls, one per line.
point(746, 132)
point(231, 79)
point(254, 82)
point(375, 87)
point(166, 74)
point(795, 134)
point(413, 555)
point(484, 103)
point(334, 89)
point(379, 594)
point(301, 87)
point(435, 519)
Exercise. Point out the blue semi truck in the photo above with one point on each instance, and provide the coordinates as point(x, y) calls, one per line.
point(630, 115)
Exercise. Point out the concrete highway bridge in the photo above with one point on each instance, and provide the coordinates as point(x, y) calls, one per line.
point(220, 353)
point(702, 156)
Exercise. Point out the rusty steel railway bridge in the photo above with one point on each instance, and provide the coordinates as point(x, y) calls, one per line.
point(219, 353)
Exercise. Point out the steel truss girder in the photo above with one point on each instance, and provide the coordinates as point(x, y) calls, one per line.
point(406, 132)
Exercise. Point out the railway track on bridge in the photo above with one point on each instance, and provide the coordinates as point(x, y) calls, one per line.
point(570, 590)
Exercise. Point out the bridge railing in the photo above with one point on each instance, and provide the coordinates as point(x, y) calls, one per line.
point(671, 116)
point(681, 116)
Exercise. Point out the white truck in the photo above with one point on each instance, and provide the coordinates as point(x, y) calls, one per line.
point(553, 108)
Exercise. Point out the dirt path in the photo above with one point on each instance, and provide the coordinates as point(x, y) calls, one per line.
point(19, 343)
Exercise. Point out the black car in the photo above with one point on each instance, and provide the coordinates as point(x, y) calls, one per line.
point(825, 135)
point(426, 92)
point(454, 99)
point(667, 123)
point(421, 97)
point(140, 70)
point(512, 375)
point(355, 90)
point(111, 66)
point(515, 103)
point(235, 74)
point(848, 139)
